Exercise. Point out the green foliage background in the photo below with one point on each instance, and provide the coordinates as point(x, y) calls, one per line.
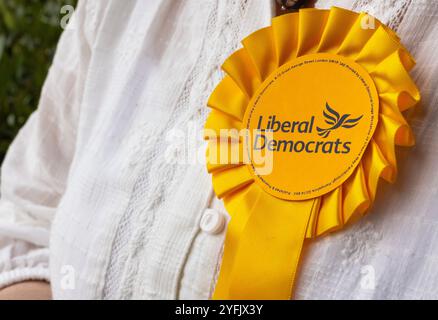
point(29, 30)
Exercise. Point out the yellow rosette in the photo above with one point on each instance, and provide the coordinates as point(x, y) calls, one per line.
point(322, 94)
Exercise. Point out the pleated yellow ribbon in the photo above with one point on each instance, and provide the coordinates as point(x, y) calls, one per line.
point(268, 226)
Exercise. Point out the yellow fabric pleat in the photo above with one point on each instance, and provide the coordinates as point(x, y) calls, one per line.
point(231, 180)
point(261, 48)
point(220, 125)
point(385, 138)
point(313, 219)
point(378, 47)
point(391, 75)
point(404, 135)
point(405, 58)
point(311, 27)
point(355, 195)
point(338, 25)
point(375, 165)
point(356, 38)
point(285, 32)
point(223, 155)
point(330, 214)
point(228, 98)
point(241, 69)
point(401, 100)
point(390, 31)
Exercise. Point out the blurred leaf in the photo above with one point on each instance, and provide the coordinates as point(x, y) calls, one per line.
point(2, 45)
point(7, 16)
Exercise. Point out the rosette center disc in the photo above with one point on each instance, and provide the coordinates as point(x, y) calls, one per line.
point(309, 124)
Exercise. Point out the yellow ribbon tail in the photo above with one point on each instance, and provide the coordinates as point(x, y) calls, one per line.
point(339, 166)
point(262, 250)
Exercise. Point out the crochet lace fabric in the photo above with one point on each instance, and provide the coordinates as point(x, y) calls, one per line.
point(222, 36)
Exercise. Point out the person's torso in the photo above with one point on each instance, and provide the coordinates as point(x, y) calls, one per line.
point(129, 222)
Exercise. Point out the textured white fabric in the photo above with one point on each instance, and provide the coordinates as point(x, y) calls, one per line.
point(393, 252)
point(89, 167)
point(35, 170)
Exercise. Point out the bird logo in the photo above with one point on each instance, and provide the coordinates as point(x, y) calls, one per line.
point(336, 121)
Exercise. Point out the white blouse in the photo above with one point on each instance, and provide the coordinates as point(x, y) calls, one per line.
point(105, 179)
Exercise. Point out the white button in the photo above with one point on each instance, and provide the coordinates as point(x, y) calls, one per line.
point(212, 222)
